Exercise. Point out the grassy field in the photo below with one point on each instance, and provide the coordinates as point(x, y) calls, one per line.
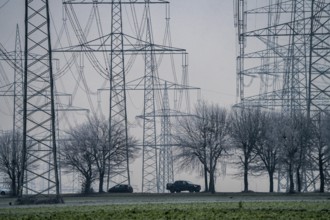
point(220, 210)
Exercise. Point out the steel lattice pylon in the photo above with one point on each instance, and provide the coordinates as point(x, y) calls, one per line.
point(284, 47)
point(290, 63)
point(166, 174)
point(39, 139)
point(319, 63)
point(18, 101)
point(118, 110)
point(294, 88)
point(149, 161)
point(125, 45)
point(18, 87)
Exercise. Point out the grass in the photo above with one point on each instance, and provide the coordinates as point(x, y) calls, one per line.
point(222, 210)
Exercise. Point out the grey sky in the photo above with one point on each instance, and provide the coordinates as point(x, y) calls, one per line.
point(204, 28)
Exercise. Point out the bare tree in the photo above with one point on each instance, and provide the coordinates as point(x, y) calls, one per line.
point(78, 154)
point(320, 150)
point(295, 141)
point(101, 149)
point(191, 136)
point(203, 140)
point(246, 131)
point(90, 152)
point(218, 141)
point(268, 147)
point(108, 155)
point(304, 144)
point(10, 159)
point(289, 150)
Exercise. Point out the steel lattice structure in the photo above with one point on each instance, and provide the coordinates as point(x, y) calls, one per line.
point(149, 154)
point(39, 138)
point(18, 87)
point(163, 162)
point(319, 58)
point(166, 172)
point(18, 95)
point(118, 110)
point(291, 67)
point(18, 99)
point(283, 50)
point(121, 47)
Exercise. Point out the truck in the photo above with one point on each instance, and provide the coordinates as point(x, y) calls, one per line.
point(183, 185)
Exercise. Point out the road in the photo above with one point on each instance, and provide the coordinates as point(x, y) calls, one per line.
point(140, 198)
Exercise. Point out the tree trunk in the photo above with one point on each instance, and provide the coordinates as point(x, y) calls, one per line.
point(291, 188)
point(18, 182)
point(101, 182)
point(321, 174)
point(87, 185)
point(212, 185)
point(205, 178)
point(246, 181)
point(271, 181)
point(205, 166)
point(13, 186)
point(298, 179)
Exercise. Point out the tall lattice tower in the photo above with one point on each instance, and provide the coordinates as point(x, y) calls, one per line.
point(123, 48)
point(166, 173)
point(295, 75)
point(18, 87)
point(150, 168)
point(319, 62)
point(157, 161)
point(118, 110)
point(282, 50)
point(114, 45)
point(283, 55)
point(18, 101)
point(39, 139)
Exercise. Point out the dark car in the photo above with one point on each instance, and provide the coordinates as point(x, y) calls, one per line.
point(121, 188)
point(4, 191)
point(182, 185)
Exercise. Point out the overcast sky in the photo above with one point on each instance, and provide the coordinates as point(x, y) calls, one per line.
point(204, 28)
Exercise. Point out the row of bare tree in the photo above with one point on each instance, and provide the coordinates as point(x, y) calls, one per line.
point(86, 149)
point(257, 142)
point(92, 151)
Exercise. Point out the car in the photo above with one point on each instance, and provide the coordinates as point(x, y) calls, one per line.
point(4, 191)
point(121, 188)
point(182, 185)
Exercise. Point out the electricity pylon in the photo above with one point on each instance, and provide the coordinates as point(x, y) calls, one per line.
point(118, 110)
point(18, 102)
point(18, 87)
point(166, 172)
point(119, 45)
point(149, 157)
point(319, 63)
point(291, 62)
point(39, 140)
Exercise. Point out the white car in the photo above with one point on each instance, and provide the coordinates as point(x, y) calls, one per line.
point(4, 191)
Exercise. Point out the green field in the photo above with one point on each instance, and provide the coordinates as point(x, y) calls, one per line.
point(221, 210)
